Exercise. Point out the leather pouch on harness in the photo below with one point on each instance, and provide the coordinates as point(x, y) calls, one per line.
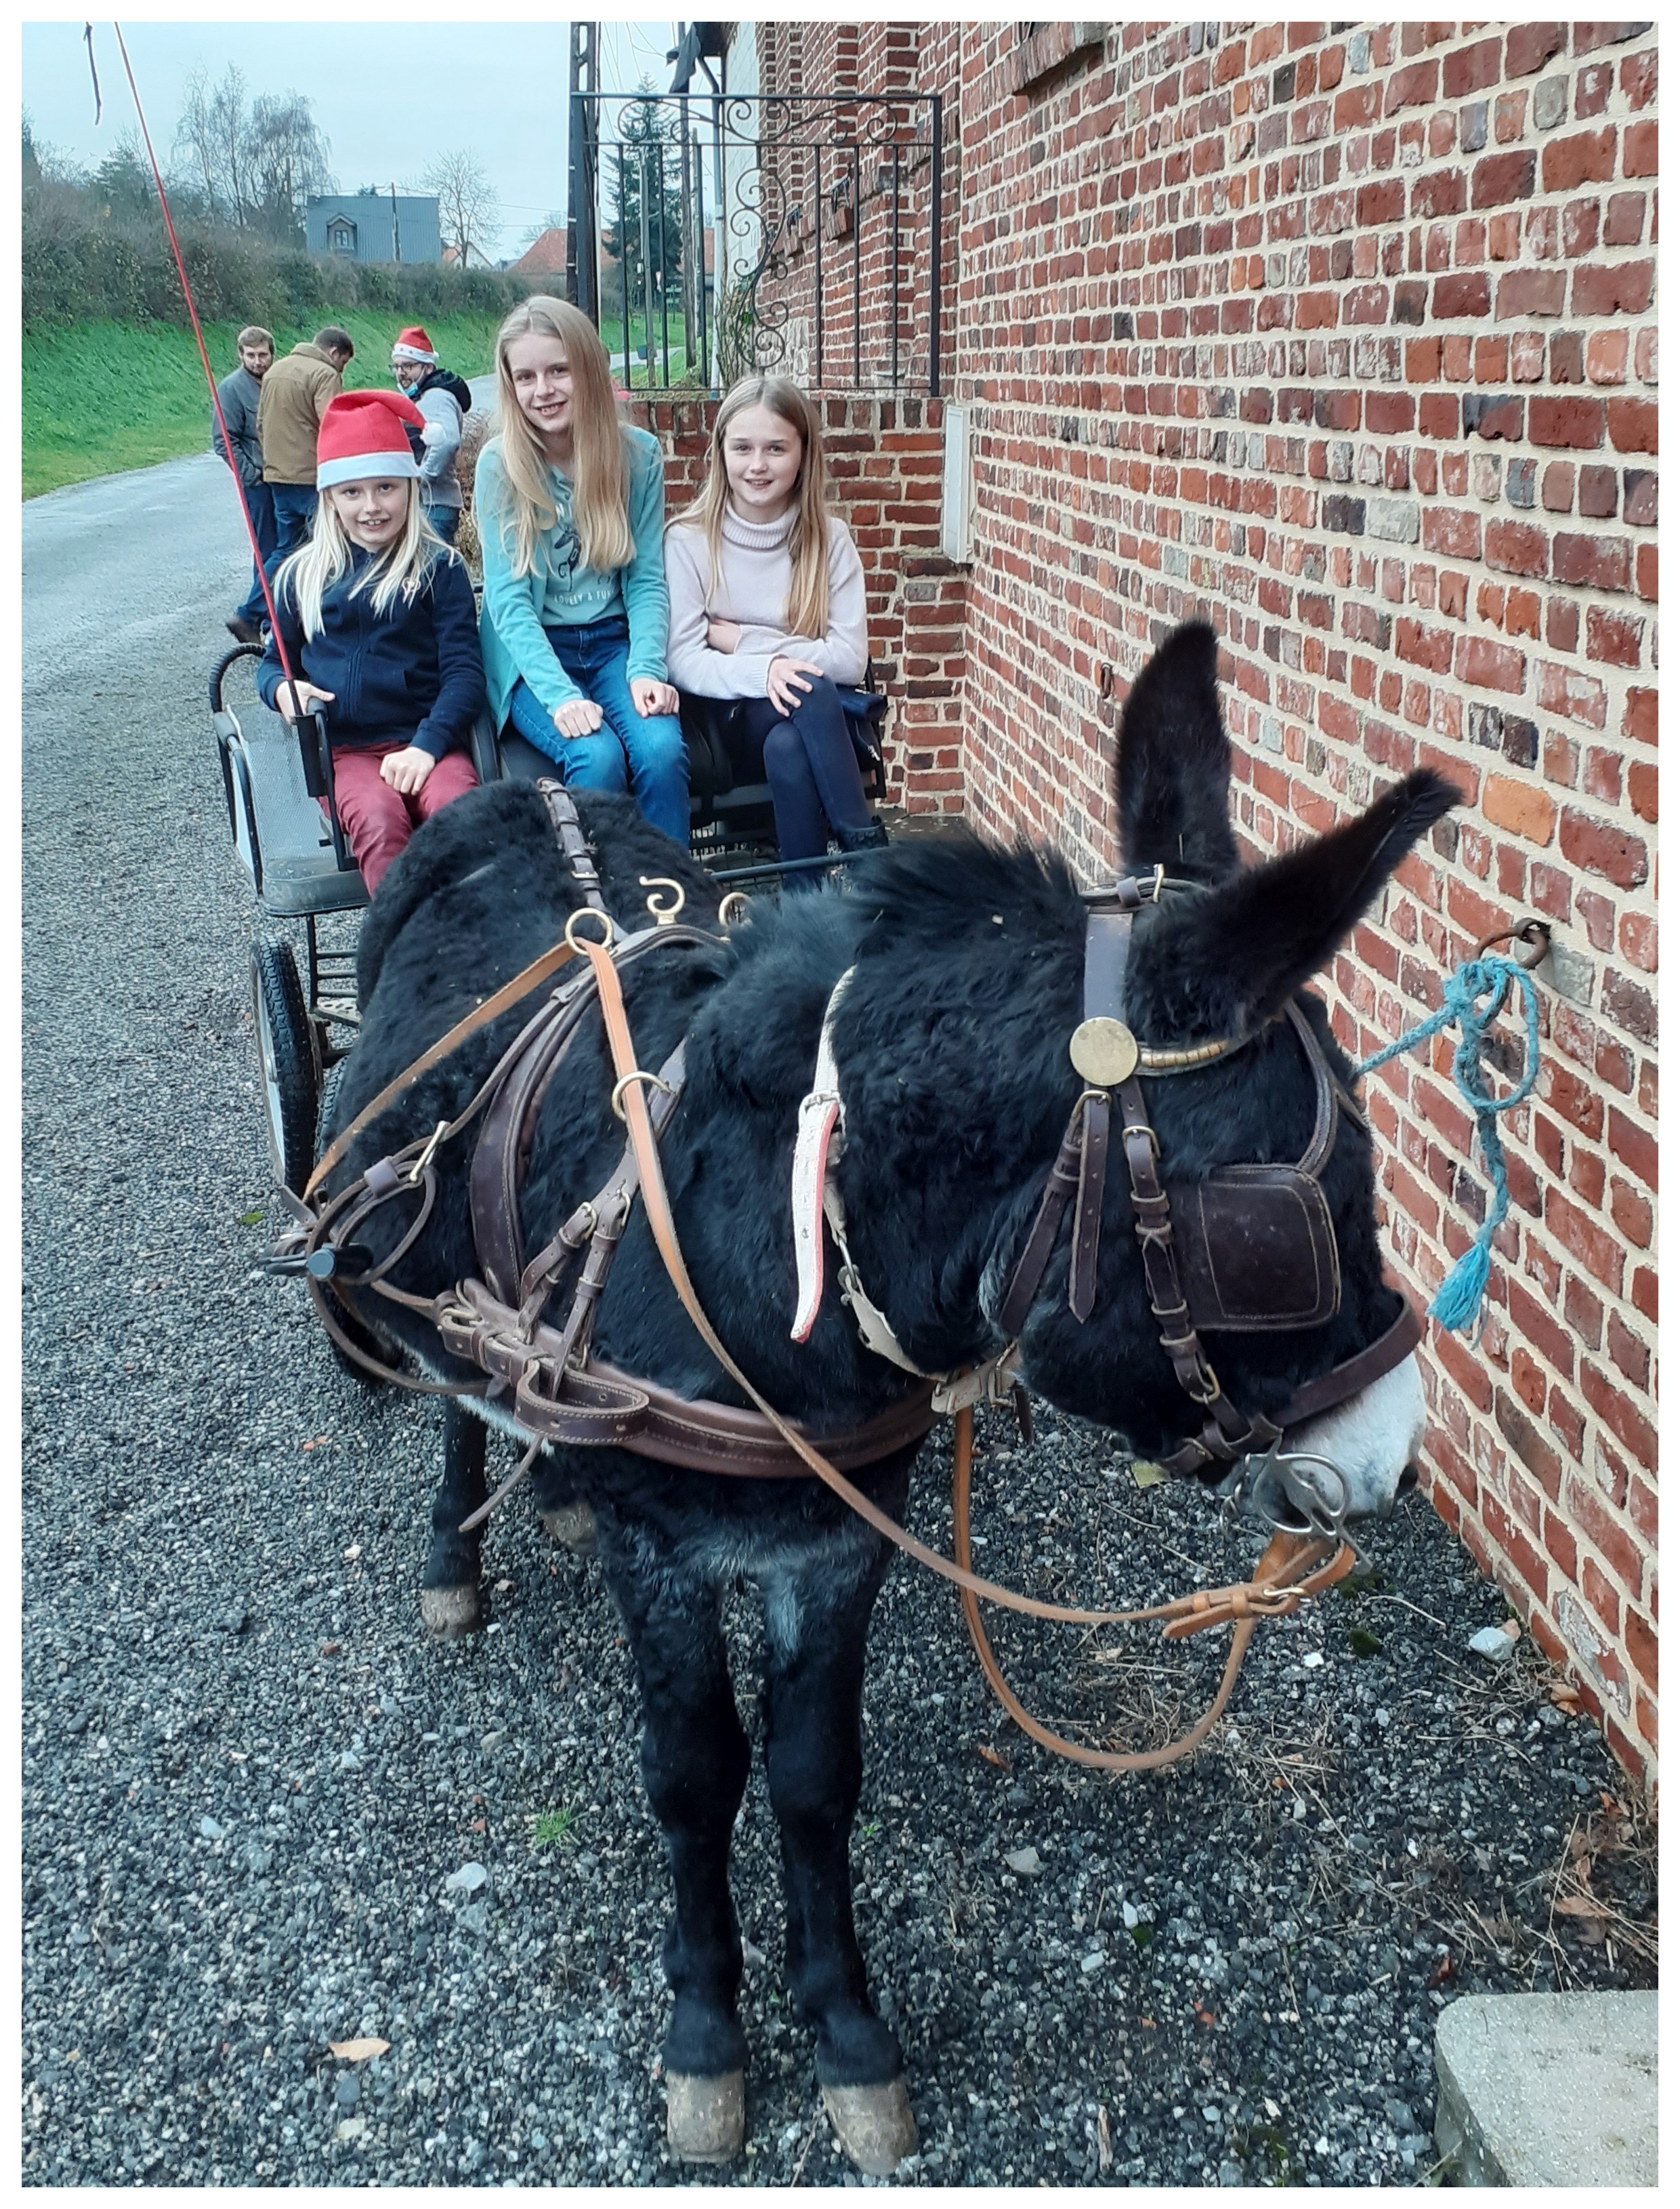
point(1256, 1248)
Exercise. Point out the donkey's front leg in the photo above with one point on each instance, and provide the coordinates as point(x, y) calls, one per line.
point(449, 1585)
point(694, 1765)
point(816, 1622)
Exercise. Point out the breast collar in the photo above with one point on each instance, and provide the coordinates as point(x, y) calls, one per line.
point(1247, 1249)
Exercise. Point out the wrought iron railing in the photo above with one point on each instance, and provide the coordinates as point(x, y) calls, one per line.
point(719, 236)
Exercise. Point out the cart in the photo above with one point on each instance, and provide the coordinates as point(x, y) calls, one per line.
point(277, 780)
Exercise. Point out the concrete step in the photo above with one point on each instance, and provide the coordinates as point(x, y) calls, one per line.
point(1548, 2089)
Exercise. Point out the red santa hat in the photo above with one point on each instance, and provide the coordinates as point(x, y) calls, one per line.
point(365, 433)
point(413, 344)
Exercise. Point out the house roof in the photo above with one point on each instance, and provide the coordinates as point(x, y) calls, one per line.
point(544, 256)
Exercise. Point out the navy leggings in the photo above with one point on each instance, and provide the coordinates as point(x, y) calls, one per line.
point(811, 767)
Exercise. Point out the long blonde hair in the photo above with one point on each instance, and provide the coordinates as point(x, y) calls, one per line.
point(311, 571)
point(600, 468)
point(806, 611)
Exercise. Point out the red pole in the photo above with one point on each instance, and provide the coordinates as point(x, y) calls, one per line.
point(209, 374)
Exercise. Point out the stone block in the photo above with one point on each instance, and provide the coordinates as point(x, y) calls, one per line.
point(1548, 2089)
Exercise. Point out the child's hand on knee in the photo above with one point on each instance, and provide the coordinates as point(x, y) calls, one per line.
point(785, 686)
point(406, 770)
point(648, 697)
point(578, 717)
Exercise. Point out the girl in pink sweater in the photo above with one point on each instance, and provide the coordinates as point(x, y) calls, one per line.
point(767, 612)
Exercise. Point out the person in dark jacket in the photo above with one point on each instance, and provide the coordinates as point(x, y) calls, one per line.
point(377, 617)
point(446, 400)
point(238, 395)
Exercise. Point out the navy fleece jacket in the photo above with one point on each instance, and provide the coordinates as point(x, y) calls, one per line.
point(411, 675)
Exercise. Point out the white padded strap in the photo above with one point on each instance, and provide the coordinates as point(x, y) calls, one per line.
point(816, 1197)
point(822, 1135)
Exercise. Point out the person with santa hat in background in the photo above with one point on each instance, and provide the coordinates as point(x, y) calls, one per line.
point(445, 401)
point(378, 621)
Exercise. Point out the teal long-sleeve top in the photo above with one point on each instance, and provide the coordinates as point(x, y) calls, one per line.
point(559, 592)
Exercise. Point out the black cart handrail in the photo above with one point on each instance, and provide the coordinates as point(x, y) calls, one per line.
point(314, 751)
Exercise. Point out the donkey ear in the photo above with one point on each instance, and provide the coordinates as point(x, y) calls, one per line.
point(1268, 930)
point(1175, 763)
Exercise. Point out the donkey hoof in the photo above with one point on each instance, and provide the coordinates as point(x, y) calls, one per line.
point(573, 1524)
point(875, 2125)
point(705, 2119)
point(449, 1612)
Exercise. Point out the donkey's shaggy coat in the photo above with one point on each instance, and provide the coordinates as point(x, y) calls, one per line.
point(951, 1044)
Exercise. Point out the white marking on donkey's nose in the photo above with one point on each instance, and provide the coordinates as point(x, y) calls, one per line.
point(1370, 1438)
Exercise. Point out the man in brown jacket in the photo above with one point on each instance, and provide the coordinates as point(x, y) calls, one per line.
point(295, 392)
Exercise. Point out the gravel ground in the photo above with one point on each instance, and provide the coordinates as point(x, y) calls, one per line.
point(252, 1792)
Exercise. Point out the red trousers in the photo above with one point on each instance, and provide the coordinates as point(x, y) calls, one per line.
point(379, 820)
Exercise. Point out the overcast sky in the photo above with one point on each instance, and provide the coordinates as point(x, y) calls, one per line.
point(388, 96)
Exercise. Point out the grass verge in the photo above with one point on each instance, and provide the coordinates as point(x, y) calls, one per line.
point(99, 397)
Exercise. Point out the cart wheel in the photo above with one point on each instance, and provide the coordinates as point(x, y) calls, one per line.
point(285, 1048)
point(332, 1081)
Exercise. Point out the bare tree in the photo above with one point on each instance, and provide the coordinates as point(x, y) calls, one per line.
point(469, 207)
point(210, 143)
point(288, 161)
point(254, 165)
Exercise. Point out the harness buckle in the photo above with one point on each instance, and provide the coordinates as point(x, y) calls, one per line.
point(1202, 1387)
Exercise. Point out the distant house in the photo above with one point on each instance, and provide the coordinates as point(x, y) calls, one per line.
point(544, 256)
point(372, 226)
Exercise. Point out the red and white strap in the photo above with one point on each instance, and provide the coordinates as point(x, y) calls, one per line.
point(816, 1198)
point(822, 1120)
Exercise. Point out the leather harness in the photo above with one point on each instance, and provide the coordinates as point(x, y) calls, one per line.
point(1247, 1249)
point(1239, 1226)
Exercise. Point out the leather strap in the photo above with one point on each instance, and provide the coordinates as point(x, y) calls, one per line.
point(664, 1228)
point(510, 993)
point(1291, 1569)
point(1107, 952)
point(1088, 1204)
point(1322, 1140)
point(1058, 1188)
point(569, 833)
point(596, 1403)
point(1342, 1381)
point(495, 1172)
point(499, 1158)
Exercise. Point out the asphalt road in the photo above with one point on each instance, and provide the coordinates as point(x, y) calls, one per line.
point(261, 1814)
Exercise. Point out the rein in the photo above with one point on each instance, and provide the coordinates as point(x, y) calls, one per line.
point(561, 1393)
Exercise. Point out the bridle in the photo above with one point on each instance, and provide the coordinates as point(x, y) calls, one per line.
point(1245, 1249)
point(559, 1391)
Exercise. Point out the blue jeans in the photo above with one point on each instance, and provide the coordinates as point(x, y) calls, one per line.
point(445, 521)
point(294, 511)
point(259, 497)
point(811, 766)
point(626, 751)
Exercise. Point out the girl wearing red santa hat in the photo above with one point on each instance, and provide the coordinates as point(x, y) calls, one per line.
point(377, 616)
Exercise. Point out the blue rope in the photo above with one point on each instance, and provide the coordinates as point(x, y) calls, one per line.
point(1472, 998)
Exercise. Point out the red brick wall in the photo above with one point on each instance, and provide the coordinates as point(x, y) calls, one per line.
point(1346, 339)
point(885, 457)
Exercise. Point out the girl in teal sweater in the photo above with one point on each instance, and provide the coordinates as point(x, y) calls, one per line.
point(571, 508)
